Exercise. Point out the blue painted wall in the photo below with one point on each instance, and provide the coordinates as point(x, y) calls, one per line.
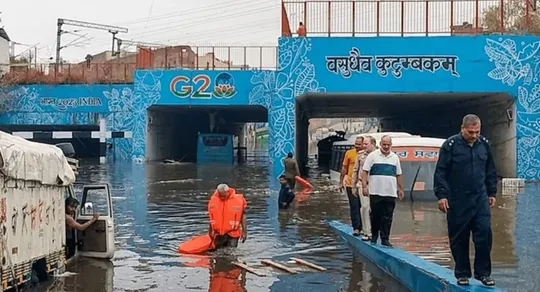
point(480, 64)
point(73, 105)
point(383, 64)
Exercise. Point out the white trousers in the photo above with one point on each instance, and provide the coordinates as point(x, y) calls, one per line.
point(365, 211)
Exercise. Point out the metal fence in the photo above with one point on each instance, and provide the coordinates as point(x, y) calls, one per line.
point(120, 70)
point(410, 17)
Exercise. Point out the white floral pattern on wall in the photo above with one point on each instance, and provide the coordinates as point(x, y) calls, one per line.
point(519, 66)
point(23, 107)
point(277, 91)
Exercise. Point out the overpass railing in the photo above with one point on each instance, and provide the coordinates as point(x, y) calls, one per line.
point(412, 17)
point(120, 70)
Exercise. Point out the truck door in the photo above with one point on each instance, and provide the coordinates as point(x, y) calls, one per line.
point(98, 240)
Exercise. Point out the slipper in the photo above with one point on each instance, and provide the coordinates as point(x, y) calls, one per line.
point(463, 281)
point(487, 281)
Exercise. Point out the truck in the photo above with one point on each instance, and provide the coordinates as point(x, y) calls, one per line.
point(35, 181)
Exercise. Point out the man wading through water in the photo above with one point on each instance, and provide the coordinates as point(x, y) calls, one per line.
point(291, 170)
point(465, 182)
point(345, 182)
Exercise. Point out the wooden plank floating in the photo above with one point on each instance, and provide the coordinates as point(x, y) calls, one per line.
point(248, 268)
point(278, 266)
point(311, 265)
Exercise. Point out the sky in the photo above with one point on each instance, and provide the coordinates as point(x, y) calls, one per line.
point(167, 22)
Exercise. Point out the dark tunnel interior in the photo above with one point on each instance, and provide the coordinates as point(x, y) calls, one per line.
point(436, 115)
point(172, 131)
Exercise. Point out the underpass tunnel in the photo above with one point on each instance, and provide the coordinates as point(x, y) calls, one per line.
point(436, 115)
point(172, 131)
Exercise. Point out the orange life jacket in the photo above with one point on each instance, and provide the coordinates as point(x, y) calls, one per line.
point(226, 215)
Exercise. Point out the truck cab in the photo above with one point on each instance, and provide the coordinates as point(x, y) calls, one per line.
point(98, 240)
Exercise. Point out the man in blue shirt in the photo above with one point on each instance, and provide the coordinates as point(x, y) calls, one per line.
point(465, 183)
point(286, 195)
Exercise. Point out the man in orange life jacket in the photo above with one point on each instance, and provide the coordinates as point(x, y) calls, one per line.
point(226, 210)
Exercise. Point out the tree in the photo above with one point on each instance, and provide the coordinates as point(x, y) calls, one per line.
point(516, 18)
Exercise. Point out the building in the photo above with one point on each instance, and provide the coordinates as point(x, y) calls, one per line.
point(169, 57)
point(4, 51)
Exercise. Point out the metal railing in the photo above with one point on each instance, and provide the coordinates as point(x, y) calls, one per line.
point(120, 70)
point(411, 17)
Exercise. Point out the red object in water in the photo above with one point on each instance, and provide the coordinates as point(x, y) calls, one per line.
point(303, 182)
point(196, 245)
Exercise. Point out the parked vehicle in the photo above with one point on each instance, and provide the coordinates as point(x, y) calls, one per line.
point(36, 179)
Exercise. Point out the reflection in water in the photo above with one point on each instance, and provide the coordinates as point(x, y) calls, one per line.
point(157, 206)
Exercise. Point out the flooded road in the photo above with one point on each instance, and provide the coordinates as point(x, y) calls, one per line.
point(157, 206)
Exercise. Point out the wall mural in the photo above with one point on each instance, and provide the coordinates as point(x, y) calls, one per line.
point(519, 68)
point(306, 65)
point(277, 90)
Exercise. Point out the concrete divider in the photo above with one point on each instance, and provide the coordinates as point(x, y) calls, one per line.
point(414, 272)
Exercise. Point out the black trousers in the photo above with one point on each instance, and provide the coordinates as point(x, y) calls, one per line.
point(226, 241)
point(354, 208)
point(382, 214)
point(460, 227)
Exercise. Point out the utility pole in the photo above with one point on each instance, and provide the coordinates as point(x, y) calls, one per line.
point(110, 28)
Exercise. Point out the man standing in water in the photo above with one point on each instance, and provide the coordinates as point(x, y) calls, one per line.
point(465, 182)
point(345, 181)
point(228, 223)
point(291, 170)
point(369, 146)
point(383, 168)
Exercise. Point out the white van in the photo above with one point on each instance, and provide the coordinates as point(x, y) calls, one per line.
point(35, 180)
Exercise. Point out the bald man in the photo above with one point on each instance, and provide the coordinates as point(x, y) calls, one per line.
point(382, 181)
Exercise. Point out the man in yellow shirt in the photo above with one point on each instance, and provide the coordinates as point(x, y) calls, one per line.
point(345, 181)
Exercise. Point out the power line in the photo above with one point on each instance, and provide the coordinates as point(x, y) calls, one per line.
point(215, 19)
point(148, 18)
point(218, 7)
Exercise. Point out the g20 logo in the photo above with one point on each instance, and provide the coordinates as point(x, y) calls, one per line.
point(199, 86)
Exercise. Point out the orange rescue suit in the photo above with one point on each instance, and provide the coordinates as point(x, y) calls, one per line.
point(226, 215)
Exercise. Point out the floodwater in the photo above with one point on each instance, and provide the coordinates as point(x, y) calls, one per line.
point(157, 206)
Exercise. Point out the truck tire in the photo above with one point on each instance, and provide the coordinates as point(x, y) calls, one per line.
point(67, 149)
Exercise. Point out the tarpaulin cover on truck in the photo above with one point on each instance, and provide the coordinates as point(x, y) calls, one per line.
point(30, 161)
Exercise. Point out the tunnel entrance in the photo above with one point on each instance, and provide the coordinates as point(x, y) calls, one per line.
point(172, 131)
point(435, 115)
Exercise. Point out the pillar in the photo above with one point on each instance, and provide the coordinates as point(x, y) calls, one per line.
point(102, 144)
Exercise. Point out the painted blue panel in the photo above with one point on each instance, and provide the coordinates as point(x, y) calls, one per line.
point(208, 87)
point(414, 272)
point(395, 64)
point(215, 148)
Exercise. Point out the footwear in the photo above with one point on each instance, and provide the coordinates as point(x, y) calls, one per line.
point(356, 232)
point(365, 238)
point(487, 281)
point(463, 281)
point(387, 243)
point(373, 241)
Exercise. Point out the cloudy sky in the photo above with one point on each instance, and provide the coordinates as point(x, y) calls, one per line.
point(200, 22)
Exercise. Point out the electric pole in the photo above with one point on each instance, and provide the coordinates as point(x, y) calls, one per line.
point(110, 28)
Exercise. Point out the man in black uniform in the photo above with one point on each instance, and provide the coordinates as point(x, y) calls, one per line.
point(465, 183)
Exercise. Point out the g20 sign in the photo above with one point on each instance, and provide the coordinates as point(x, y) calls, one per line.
point(200, 86)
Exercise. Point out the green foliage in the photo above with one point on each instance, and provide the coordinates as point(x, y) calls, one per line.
point(517, 19)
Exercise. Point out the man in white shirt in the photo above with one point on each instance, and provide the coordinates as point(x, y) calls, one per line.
point(382, 181)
